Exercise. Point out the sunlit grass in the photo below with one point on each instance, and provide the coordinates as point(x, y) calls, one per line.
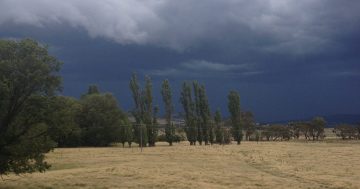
point(250, 165)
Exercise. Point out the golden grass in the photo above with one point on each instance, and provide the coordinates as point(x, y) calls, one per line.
point(250, 165)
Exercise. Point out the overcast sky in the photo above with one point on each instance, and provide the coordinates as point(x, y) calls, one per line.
point(287, 58)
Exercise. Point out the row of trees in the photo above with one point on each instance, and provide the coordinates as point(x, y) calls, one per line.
point(34, 119)
point(310, 130)
point(144, 112)
point(346, 131)
point(93, 120)
point(199, 125)
point(313, 129)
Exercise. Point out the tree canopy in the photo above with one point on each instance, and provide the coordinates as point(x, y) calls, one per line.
point(100, 119)
point(28, 78)
point(235, 114)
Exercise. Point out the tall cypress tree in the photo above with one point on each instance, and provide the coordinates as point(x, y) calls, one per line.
point(234, 109)
point(204, 112)
point(140, 130)
point(166, 95)
point(136, 94)
point(188, 106)
point(197, 112)
point(154, 126)
point(148, 112)
point(218, 130)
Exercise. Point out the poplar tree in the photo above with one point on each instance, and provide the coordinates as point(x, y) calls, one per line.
point(219, 131)
point(204, 112)
point(234, 109)
point(197, 112)
point(166, 96)
point(149, 115)
point(139, 128)
point(190, 119)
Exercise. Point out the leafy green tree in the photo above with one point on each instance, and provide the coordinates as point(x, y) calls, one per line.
point(211, 131)
point(277, 131)
point(218, 117)
point(219, 130)
point(126, 131)
point(205, 116)
point(190, 115)
point(197, 112)
point(143, 112)
point(227, 136)
point(300, 128)
point(234, 109)
point(140, 130)
point(149, 115)
point(61, 119)
point(247, 120)
point(137, 97)
point(155, 115)
point(317, 126)
point(202, 115)
point(100, 119)
point(345, 131)
point(28, 78)
point(154, 126)
point(167, 95)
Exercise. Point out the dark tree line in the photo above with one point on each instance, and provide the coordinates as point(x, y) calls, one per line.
point(93, 120)
point(144, 112)
point(199, 125)
point(34, 118)
point(310, 130)
point(346, 131)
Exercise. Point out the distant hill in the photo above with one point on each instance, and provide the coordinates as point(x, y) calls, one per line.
point(342, 118)
point(331, 120)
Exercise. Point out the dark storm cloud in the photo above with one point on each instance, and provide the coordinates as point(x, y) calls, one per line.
point(288, 58)
point(289, 26)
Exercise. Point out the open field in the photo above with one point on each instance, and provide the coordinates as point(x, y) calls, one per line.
point(330, 164)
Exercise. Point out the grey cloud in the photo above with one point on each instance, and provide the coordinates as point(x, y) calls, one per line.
point(165, 72)
point(348, 73)
point(122, 21)
point(203, 65)
point(289, 26)
point(203, 68)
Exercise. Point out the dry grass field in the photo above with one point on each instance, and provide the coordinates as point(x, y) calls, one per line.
point(329, 164)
